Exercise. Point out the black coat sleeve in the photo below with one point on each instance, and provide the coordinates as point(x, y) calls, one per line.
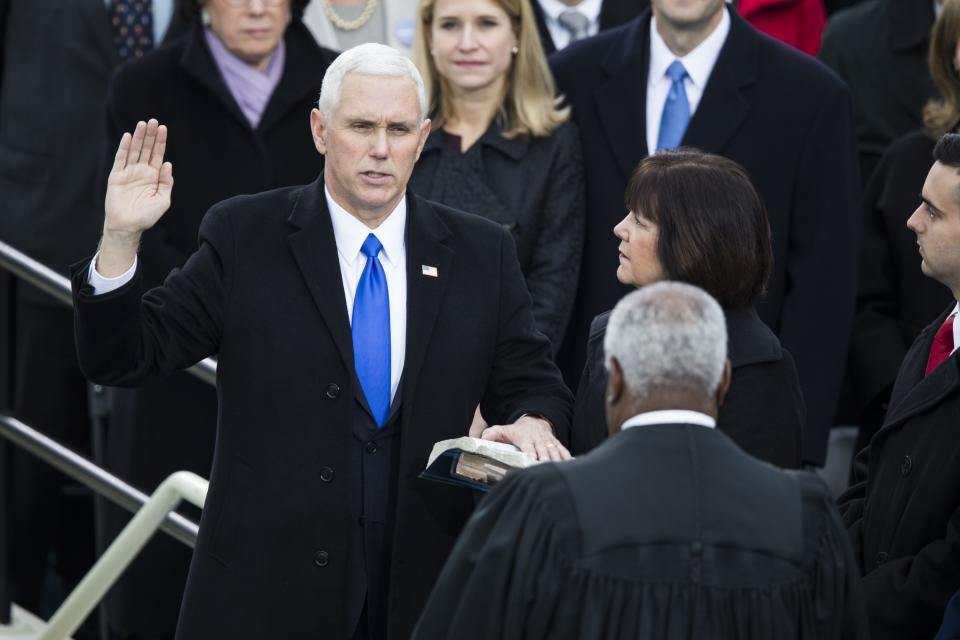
point(554, 265)
point(523, 378)
point(125, 340)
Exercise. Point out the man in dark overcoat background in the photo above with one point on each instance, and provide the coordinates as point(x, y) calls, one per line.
point(56, 57)
point(903, 509)
point(782, 115)
point(316, 524)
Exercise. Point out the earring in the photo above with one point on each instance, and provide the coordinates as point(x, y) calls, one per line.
point(205, 18)
point(433, 52)
point(515, 50)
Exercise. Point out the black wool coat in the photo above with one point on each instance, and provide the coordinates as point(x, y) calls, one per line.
point(879, 48)
point(763, 411)
point(789, 121)
point(903, 510)
point(216, 154)
point(532, 187)
point(895, 300)
point(264, 293)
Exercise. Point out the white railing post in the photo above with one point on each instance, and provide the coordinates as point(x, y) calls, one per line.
point(87, 594)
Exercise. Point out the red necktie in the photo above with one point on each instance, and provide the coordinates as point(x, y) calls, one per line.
point(942, 345)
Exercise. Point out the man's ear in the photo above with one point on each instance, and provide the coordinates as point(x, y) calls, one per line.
point(318, 127)
point(724, 385)
point(424, 134)
point(615, 394)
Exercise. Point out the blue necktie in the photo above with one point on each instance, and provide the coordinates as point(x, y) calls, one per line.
point(676, 109)
point(371, 332)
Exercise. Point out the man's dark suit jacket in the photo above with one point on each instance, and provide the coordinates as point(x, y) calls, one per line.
point(763, 411)
point(264, 292)
point(788, 120)
point(613, 13)
point(903, 510)
point(879, 48)
point(663, 532)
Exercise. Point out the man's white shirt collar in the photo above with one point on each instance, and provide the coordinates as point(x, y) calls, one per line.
point(699, 63)
point(350, 233)
point(674, 416)
point(956, 327)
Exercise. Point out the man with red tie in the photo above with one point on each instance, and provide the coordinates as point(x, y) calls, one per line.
point(903, 509)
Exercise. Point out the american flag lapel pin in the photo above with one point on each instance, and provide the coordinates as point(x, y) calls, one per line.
point(427, 270)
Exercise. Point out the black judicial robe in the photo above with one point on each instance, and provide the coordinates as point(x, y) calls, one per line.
point(661, 532)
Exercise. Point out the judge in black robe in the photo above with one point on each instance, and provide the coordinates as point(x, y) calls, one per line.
point(667, 529)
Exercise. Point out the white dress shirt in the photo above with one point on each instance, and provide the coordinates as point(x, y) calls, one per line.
point(956, 328)
point(698, 63)
point(673, 416)
point(551, 16)
point(349, 234)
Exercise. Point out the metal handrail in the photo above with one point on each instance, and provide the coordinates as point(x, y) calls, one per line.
point(94, 586)
point(48, 280)
point(92, 476)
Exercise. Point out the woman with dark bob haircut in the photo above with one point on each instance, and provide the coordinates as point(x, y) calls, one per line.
point(696, 218)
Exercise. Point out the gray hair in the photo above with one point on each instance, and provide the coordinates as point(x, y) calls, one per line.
point(370, 59)
point(668, 334)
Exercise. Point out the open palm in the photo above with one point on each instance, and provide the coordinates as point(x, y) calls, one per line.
point(140, 182)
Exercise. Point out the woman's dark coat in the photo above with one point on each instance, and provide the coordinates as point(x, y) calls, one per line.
point(763, 411)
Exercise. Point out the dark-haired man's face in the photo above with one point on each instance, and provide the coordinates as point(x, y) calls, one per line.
point(937, 225)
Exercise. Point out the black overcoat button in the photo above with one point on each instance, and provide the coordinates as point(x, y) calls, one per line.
point(371, 447)
point(881, 558)
point(333, 390)
point(321, 558)
point(906, 466)
point(326, 474)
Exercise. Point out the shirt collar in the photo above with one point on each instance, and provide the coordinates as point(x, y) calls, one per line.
point(698, 63)
point(589, 8)
point(956, 327)
point(672, 416)
point(349, 233)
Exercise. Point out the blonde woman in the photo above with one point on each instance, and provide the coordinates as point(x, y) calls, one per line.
point(501, 147)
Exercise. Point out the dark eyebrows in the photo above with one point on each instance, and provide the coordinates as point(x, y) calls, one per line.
point(931, 206)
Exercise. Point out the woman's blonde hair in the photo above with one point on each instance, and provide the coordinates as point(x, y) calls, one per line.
point(530, 105)
point(943, 114)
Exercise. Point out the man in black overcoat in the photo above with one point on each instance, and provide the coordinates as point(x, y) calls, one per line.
point(316, 524)
point(667, 530)
point(783, 116)
point(903, 510)
point(56, 57)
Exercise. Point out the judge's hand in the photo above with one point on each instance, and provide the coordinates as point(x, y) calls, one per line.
point(532, 435)
point(138, 194)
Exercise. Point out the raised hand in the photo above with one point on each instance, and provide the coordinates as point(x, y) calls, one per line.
point(138, 190)
point(138, 194)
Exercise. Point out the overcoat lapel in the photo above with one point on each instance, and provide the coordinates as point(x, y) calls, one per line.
point(622, 100)
point(198, 63)
point(297, 80)
point(93, 13)
point(315, 250)
point(426, 234)
point(723, 108)
point(915, 394)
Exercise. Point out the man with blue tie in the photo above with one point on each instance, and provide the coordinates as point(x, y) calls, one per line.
point(355, 325)
point(693, 73)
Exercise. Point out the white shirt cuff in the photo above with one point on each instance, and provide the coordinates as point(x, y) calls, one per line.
point(103, 284)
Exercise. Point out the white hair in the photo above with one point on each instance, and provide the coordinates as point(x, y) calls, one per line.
point(370, 59)
point(668, 334)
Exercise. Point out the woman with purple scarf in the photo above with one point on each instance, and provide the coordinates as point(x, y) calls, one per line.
point(236, 92)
